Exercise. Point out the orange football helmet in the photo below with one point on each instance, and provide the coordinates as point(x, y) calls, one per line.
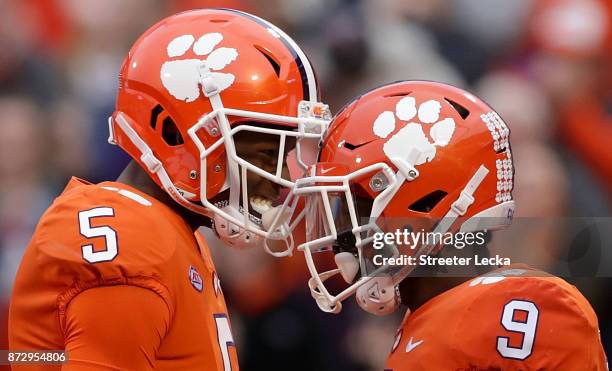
point(411, 155)
point(192, 82)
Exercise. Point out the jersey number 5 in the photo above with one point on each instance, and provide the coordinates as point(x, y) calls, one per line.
point(109, 234)
point(526, 326)
point(225, 339)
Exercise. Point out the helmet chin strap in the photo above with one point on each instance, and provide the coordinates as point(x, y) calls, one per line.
point(234, 236)
point(380, 295)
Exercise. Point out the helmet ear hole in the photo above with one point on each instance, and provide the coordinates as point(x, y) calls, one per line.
point(155, 112)
point(426, 203)
point(170, 133)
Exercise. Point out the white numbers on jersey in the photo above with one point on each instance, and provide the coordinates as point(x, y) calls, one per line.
point(527, 327)
point(225, 339)
point(110, 236)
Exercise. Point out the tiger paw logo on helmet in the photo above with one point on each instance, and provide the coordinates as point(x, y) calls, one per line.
point(412, 136)
point(181, 76)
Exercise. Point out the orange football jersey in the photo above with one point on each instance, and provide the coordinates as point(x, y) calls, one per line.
point(106, 256)
point(514, 319)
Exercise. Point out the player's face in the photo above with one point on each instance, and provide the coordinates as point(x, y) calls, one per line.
point(262, 150)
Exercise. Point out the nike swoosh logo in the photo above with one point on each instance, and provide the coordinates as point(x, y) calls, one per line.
point(325, 171)
point(410, 346)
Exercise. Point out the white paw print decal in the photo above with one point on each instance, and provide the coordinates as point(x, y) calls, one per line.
point(181, 76)
point(411, 138)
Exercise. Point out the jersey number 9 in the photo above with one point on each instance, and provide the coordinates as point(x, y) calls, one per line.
point(527, 327)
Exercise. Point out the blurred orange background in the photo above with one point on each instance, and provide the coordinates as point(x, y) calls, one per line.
point(543, 64)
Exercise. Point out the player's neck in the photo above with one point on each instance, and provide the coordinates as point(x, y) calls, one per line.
point(416, 291)
point(427, 283)
point(134, 176)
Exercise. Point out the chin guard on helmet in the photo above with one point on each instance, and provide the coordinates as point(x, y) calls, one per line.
point(379, 296)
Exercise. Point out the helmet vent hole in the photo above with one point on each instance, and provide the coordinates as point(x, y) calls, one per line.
point(463, 112)
point(400, 94)
point(427, 203)
point(155, 115)
point(275, 65)
point(170, 133)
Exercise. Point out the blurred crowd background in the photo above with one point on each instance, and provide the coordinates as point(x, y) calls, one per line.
point(543, 64)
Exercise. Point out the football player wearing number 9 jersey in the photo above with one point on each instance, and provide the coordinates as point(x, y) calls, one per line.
point(424, 157)
point(210, 103)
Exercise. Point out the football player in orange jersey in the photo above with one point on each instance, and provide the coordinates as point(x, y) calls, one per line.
point(425, 157)
point(209, 104)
